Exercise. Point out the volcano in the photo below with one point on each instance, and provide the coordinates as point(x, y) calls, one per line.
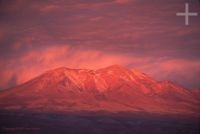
point(113, 89)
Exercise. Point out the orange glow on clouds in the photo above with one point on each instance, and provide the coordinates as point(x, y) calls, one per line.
point(35, 62)
point(52, 57)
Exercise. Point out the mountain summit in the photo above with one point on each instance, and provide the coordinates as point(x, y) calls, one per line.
point(114, 89)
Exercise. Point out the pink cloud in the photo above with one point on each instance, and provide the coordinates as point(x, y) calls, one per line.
point(180, 65)
point(121, 1)
point(34, 62)
point(48, 8)
point(138, 41)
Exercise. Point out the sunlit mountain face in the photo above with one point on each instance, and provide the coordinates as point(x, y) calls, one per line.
point(111, 89)
point(102, 66)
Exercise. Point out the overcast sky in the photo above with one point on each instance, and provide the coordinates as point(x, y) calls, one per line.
point(146, 35)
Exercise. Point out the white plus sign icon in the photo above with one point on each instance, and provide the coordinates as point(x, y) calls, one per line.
point(186, 14)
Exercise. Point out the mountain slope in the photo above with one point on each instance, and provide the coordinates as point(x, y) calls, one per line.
point(113, 88)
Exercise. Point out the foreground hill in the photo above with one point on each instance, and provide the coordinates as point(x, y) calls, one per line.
point(112, 89)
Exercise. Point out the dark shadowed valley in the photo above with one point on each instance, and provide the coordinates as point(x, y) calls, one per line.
point(96, 123)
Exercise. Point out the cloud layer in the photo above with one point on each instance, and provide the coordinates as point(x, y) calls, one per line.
point(147, 35)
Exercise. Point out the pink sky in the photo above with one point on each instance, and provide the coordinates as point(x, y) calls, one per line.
point(36, 36)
